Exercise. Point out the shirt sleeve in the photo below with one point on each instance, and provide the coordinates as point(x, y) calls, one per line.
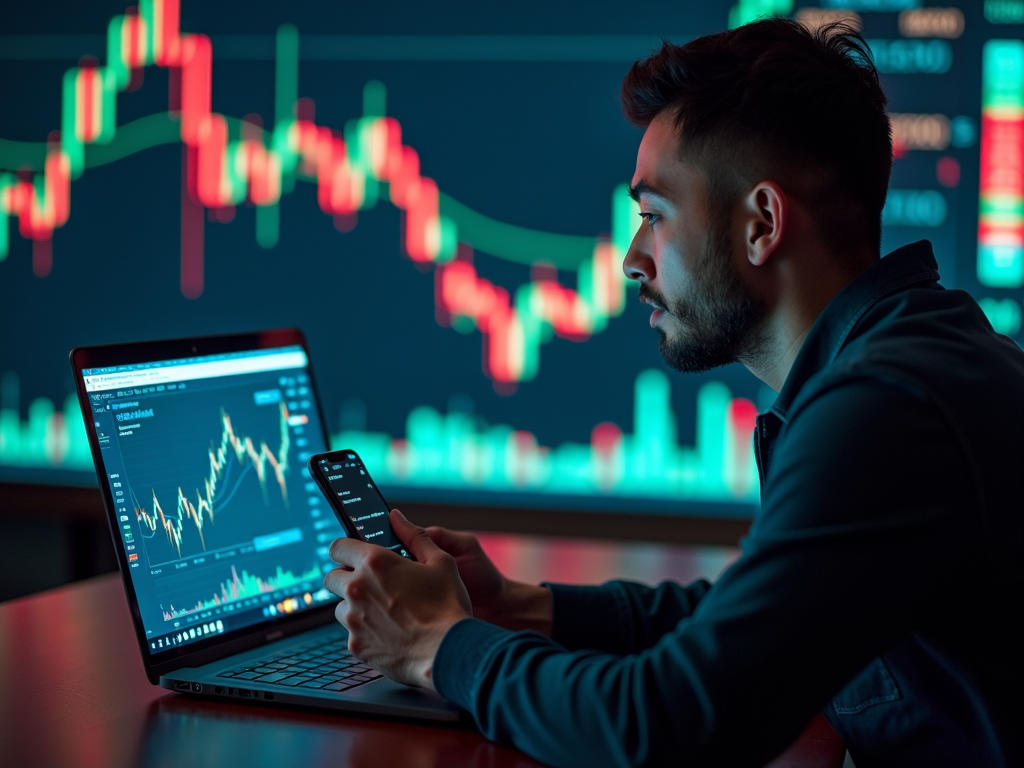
point(861, 517)
point(620, 617)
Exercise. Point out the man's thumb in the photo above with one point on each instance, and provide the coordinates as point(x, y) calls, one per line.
point(415, 538)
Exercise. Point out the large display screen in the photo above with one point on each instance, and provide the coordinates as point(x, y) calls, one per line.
point(436, 195)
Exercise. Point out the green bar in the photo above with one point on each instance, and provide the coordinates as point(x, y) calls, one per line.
point(109, 99)
point(654, 425)
point(374, 99)
point(625, 221)
point(6, 180)
point(146, 14)
point(286, 93)
point(585, 285)
point(712, 426)
point(69, 141)
point(1002, 75)
point(1003, 314)
point(449, 240)
point(79, 455)
point(1002, 207)
point(286, 73)
point(533, 326)
point(289, 159)
point(268, 225)
point(372, 447)
point(10, 436)
point(236, 181)
point(115, 63)
point(1001, 266)
point(357, 147)
point(424, 428)
point(747, 11)
point(33, 441)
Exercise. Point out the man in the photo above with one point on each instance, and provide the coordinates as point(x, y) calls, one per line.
point(881, 582)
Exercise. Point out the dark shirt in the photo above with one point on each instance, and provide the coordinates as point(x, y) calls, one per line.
point(881, 581)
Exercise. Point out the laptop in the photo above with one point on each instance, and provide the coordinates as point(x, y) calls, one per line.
point(222, 538)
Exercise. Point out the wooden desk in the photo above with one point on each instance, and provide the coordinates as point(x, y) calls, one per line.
point(73, 695)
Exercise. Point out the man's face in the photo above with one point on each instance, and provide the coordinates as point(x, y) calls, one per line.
point(686, 261)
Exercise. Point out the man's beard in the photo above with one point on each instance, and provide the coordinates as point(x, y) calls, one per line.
point(722, 320)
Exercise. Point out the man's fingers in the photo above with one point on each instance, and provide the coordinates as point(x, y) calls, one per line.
point(415, 538)
point(349, 552)
point(336, 579)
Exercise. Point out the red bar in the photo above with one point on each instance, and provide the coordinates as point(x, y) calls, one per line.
point(24, 201)
point(42, 256)
point(87, 77)
point(393, 147)
point(131, 27)
point(605, 439)
point(170, 42)
point(59, 184)
point(742, 421)
point(403, 170)
point(196, 71)
point(325, 159)
point(1002, 163)
point(421, 206)
point(191, 232)
point(212, 141)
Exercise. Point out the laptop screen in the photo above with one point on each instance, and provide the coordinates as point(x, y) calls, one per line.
point(206, 460)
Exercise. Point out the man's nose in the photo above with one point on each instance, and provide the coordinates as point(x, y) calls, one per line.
point(638, 264)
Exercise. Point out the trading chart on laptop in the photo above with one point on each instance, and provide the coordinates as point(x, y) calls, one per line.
point(206, 460)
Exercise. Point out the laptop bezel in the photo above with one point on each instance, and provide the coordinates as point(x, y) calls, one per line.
point(218, 646)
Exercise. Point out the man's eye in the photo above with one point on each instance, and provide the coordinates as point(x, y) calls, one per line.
point(650, 218)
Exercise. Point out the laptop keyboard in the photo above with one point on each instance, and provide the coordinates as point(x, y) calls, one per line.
point(325, 665)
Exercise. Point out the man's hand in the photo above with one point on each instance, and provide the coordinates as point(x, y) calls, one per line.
point(510, 604)
point(397, 611)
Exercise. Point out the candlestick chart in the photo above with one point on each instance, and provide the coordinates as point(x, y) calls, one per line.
point(232, 452)
point(445, 214)
point(234, 487)
point(348, 170)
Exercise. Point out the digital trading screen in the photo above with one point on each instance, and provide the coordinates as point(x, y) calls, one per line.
point(436, 195)
point(221, 524)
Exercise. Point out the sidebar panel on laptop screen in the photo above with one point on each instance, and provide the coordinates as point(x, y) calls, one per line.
point(206, 460)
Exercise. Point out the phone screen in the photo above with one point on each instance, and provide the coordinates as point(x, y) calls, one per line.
point(358, 498)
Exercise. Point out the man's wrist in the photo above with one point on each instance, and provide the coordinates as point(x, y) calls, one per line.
point(526, 606)
point(425, 670)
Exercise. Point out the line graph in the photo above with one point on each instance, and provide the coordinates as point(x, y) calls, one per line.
point(212, 495)
point(352, 170)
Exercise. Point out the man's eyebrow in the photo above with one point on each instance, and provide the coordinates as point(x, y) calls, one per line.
point(643, 188)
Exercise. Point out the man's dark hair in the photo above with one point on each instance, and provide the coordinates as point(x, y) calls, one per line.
point(773, 100)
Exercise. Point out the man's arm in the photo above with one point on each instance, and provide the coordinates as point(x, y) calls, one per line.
point(618, 617)
point(851, 551)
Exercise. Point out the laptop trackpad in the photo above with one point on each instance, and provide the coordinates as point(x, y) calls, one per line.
point(387, 692)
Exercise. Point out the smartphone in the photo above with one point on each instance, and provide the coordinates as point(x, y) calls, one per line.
point(344, 481)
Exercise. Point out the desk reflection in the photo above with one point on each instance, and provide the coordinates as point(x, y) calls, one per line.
point(190, 733)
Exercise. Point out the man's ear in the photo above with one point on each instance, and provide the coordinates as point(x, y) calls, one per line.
point(766, 207)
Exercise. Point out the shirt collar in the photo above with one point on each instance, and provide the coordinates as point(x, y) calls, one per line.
point(914, 263)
